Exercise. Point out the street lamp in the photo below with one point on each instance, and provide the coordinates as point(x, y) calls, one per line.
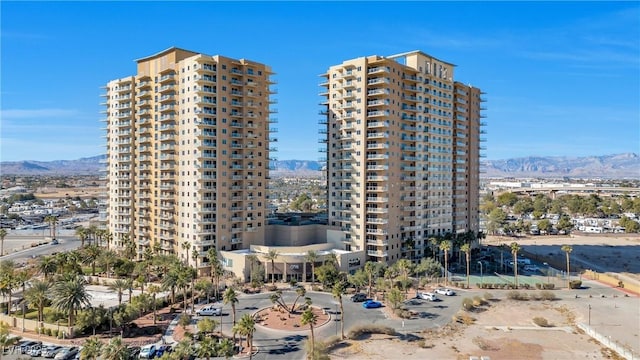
point(589, 314)
point(481, 274)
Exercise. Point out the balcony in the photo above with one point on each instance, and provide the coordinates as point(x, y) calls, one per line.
point(376, 253)
point(377, 199)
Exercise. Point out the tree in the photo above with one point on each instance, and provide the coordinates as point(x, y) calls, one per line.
point(466, 249)
point(337, 291)
point(91, 349)
point(216, 269)
point(564, 224)
point(119, 286)
point(246, 327)
point(225, 348)
point(428, 267)
point(300, 292)
point(186, 246)
point(38, 296)
point(271, 256)
point(82, 233)
point(154, 290)
point(252, 259)
point(107, 259)
point(69, 295)
point(91, 255)
point(405, 268)
point(358, 279)
point(182, 351)
point(396, 297)
point(327, 275)
point(310, 318)
point(184, 321)
point(207, 348)
point(567, 250)
point(6, 339)
point(3, 234)
point(92, 318)
point(629, 225)
point(545, 225)
point(47, 266)
point(507, 199)
point(116, 350)
point(52, 220)
point(312, 257)
point(372, 269)
point(207, 326)
point(515, 248)
point(497, 219)
point(8, 281)
point(231, 297)
point(445, 246)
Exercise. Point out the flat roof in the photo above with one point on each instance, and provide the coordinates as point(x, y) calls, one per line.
point(164, 52)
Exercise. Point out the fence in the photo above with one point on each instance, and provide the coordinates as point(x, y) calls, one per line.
point(611, 344)
point(31, 325)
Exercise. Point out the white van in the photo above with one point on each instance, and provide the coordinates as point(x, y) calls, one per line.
point(427, 296)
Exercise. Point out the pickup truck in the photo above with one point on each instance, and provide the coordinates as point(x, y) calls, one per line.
point(209, 310)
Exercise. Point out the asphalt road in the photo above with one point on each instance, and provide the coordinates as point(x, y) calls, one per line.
point(66, 243)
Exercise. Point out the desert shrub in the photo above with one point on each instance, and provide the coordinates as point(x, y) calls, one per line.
point(542, 322)
point(467, 304)
point(538, 286)
point(517, 295)
point(423, 344)
point(48, 332)
point(534, 296)
point(272, 288)
point(360, 330)
point(482, 343)
point(463, 318)
point(403, 313)
point(487, 296)
point(54, 333)
point(548, 286)
point(332, 341)
point(547, 295)
point(478, 301)
point(526, 286)
point(575, 284)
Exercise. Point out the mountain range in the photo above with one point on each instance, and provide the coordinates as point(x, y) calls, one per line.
point(616, 166)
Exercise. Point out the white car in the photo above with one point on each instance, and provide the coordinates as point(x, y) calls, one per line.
point(445, 291)
point(427, 296)
point(209, 310)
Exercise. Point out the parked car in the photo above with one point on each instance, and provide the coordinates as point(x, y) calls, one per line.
point(35, 351)
point(445, 291)
point(50, 351)
point(370, 304)
point(162, 349)
point(134, 351)
point(209, 310)
point(427, 296)
point(532, 268)
point(148, 352)
point(66, 353)
point(27, 346)
point(359, 297)
point(54, 242)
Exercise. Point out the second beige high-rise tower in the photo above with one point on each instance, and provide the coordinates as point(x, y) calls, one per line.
point(402, 157)
point(188, 154)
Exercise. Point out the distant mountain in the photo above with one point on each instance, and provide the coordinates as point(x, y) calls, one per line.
point(83, 166)
point(616, 166)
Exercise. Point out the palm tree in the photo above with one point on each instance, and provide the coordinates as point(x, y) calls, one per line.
point(182, 351)
point(371, 269)
point(567, 250)
point(300, 292)
point(169, 283)
point(310, 318)
point(445, 246)
point(38, 296)
point(91, 349)
point(204, 286)
point(312, 257)
point(6, 338)
point(94, 233)
point(338, 290)
point(225, 348)
point(405, 267)
point(514, 250)
point(52, 220)
point(216, 269)
point(466, 248)
point(82, 233)
point(69, 295)
point(182, 282)
point(207, 348)
point(108, 238)
point(91, 255)
point(116, 350)
point(246, 327)
point(107, 258)
point(154, 290)
point(252, 259)
point(3, 234)
point(272, 255)
point(119, 286)
point(186, 246)
point(47, 266)
point(231, 297)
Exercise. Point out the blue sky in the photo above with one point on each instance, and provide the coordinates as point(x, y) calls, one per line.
point(560, 78)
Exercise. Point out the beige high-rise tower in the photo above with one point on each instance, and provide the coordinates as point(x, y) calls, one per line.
point(402, 157)
point(188, 154)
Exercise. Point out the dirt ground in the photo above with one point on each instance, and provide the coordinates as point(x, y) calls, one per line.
point(278, 319)
point(503, 329)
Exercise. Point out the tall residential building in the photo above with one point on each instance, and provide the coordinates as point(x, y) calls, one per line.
point(188, 154)
point(402, 153)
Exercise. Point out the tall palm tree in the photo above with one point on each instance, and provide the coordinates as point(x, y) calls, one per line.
point(38, 296)
point(445, 246)
point(116, 350)
point(119, 286)
point(337, 291)
point(310, 318)
point(312, 257)
point(252, 259)
point(567, 250)
point(91, 349)
point(272, 255)
point(300, 292)
point(107, 258)
point(182, 282)
point(93, 233)
point(3, 234)
point(8, 281)
point(186, 246)
point(91, 255)
point(154, 290)
point(48, 266)
point(216, 270)
point(52, 220)
point(225, 348)
point(194, 257)
point(515, 248)
point(83, 234)
point(371, 269)
point(69, 295)
point(169, 283)
point(108, 238)
point(466, 249)
point(246, 327)
point(405, 267)
point(231, 297)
